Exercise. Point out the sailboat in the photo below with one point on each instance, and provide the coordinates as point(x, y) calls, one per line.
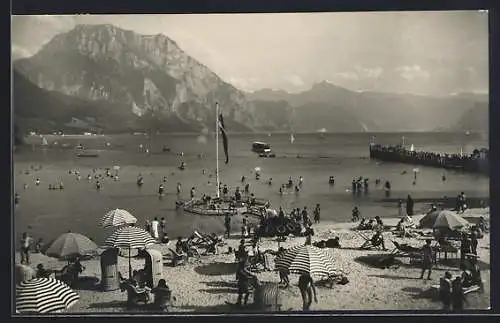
point(292, 138)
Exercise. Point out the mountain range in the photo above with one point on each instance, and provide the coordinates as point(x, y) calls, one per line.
point(104, 78)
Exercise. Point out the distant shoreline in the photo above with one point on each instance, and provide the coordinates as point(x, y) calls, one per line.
point(267, 133)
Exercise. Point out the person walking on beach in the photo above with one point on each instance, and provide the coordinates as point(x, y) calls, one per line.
point(409, 205)
point(26, 241)
point(307, 290)
point(426, 259)
point(160, 190)
point(317, 215)
point(193, 192)
point(244, 277)
point(227, 225)
point(154, 228)
point(305, 216)
point(445, 290)
point(37, 182)
point(281, 216)
point(163, 228)
point(355, 214)
point(457, 295)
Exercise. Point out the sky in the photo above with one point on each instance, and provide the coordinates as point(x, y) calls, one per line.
point(404, 52)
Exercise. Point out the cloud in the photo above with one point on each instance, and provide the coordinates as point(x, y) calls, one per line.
point(411, 73)
point(20, 52)
point(296, 80)
point(369, 73)
point(347, 75)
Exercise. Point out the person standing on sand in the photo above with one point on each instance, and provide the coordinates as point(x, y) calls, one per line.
point(227, 225)
point(445, 290)
point(317, 215)
point(25, 248)
point(457, 295)
point(163, 228)
point(161, 190)
point(154, 228)
point(426, 259)
point(305, 216)
point(409, 205)
point(193, 192)
point(355, 214)
point(307, 290)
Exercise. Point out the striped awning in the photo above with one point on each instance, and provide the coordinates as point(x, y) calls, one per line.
point(44, 295)
point(129, 237)
point(116, 218)
point(307, 260)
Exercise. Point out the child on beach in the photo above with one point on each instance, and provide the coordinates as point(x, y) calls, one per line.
point(445, 290)
point(25, 248)
point(427, 255)
point(307, 290)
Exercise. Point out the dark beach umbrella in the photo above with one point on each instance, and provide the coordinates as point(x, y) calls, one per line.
point(70, 245)
point(130, 238)
point(307, 260)
point(44, 295)
point(117, 217)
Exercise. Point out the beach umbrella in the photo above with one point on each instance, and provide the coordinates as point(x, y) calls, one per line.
point(44, 295)
point(429, 219)
point(70, 245)
point(116, 167)
point(449, 220)
point(257, 169)
point(117, 217)
point(306, 260)
point(130, 238)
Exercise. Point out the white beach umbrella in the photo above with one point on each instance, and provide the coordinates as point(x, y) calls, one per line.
point(257, 169)
point(306, 260)
point(130, 238)
point(116, 218)
point(44, 295)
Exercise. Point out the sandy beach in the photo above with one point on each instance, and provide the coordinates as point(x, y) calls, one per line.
point(205, 284)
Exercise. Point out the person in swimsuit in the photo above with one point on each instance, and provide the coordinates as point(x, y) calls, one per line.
point(307, 290)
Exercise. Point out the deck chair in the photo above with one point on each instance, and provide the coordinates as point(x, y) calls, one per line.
point(404, 250)
point(370, 244)
point(177, 258)
point(135, 296)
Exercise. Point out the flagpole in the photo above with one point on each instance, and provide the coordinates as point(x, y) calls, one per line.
point(217, 148)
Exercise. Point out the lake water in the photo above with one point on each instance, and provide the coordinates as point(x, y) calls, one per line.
point(46, 213)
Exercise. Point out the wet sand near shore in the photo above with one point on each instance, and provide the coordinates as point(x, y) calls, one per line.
point(205, 285)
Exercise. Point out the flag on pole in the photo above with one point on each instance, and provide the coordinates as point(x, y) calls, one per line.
point(224, 136)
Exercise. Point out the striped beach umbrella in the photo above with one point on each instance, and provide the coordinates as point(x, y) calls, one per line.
point(44, 295)
point(449, 220)
point(130, 238)
point(70, 245)
point(117, 217)
point(306, 260)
